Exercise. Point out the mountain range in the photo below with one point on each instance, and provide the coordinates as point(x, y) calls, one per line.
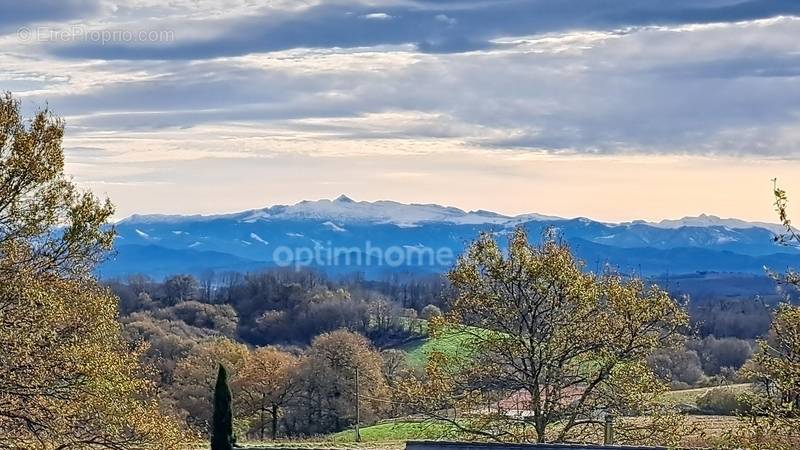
point(348, 236)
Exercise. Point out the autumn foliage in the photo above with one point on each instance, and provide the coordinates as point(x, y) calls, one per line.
point(568, 345)
point(68, 379)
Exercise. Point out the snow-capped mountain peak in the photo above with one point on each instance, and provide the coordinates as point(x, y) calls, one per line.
point(344, 210)
point(248, 240)
point(344, 199)
point(708, 220)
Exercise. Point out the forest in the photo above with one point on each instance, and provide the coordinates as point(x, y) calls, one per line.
point(282, 317)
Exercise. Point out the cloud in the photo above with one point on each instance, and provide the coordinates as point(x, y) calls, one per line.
point(377, 16)
point(435, 26)
point(444, 18)
point(722, 88)
point(719, 89)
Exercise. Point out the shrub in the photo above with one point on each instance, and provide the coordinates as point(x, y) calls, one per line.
point(681, 367)
point(721, 401)
point(430, 312)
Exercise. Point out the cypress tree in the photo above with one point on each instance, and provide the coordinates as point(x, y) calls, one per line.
point(222, 422)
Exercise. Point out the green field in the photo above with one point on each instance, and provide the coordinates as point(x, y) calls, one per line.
point(387, 435)
point(452, 342)
point(690, 396)
point(398, 431)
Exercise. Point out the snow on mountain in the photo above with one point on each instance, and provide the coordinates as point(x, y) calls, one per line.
point(332, 226)
point(533, 216)
point(345, 210)
point(336, 214)
point(706, 220)
point(704, 243)
point(258, 238)
point(166, 218)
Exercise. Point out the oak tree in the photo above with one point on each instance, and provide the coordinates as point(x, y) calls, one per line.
point(68, 378)
point(267, 383)
point(551, 348)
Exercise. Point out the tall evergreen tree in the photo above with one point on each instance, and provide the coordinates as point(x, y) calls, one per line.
point(222, 422)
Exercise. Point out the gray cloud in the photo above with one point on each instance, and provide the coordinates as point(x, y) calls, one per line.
point(469, 25)
point(721, 89)
point(647, 92)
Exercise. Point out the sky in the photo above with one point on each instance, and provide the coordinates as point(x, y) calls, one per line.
point(610, 109)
